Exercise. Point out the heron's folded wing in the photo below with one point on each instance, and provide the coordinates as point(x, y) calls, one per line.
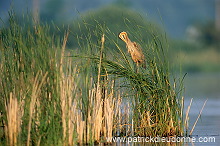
point(138, 47)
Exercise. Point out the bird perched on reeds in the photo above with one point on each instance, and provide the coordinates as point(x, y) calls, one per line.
point(134, 49)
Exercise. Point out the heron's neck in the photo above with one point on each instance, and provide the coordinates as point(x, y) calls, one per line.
point(128, 41)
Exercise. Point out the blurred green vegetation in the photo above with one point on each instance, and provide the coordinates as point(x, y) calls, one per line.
point(209, 35)
point(116, 19)
point(194, 55)
point(199, 53)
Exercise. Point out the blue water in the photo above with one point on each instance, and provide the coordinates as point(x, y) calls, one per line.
point(208, 125)
point(202, 86)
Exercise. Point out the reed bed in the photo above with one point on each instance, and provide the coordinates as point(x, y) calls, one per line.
point(52, 95)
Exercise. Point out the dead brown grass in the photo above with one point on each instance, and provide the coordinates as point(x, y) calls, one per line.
point(12, 127)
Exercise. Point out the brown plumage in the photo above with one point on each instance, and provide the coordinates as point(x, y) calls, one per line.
point(134, 49)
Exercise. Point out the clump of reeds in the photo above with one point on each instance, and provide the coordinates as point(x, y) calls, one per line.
point(156, 108)
point(61, 101)
point(29, 71)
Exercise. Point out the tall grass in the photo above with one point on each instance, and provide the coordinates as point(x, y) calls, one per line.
point(29, 70)
point(50, 97)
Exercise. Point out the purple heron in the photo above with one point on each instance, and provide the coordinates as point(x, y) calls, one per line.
point(134, 49)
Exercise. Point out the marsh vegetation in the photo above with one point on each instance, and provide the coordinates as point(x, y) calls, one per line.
point(54, 94)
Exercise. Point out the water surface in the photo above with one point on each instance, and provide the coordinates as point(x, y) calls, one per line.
point(200, 87)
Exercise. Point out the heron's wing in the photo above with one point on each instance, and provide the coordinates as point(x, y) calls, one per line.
point(138, 47)
point(142, 57)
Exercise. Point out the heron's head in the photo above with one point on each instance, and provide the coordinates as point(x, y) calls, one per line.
point(123, 36)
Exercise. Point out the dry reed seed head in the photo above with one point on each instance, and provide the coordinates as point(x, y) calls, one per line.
point(103, 39)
